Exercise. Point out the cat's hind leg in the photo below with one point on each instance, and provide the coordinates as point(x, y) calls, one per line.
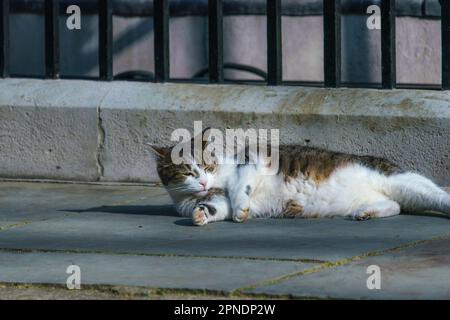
point(415, 193)
point(379, 209)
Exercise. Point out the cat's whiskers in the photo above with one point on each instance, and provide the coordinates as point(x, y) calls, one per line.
point(181, 188)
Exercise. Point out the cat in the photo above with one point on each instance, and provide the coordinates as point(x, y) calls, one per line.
point(310, 182)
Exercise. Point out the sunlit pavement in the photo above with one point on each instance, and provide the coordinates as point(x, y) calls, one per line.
point(128, 242)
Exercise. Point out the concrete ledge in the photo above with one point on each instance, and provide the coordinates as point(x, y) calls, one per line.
point(87, 130)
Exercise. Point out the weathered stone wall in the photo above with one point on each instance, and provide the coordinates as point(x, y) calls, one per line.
point(88, 130)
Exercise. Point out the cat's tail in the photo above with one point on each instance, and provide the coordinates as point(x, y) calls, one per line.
point(415, 193)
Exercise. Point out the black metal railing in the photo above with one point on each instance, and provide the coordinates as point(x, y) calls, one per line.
point(445, 27)
point(51, 39)
point(105, 39)
point(332, 43)
point(4, 39)
point(215, 70)
point(388, 52)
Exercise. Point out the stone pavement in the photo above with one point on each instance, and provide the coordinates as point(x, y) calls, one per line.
point(129, 243)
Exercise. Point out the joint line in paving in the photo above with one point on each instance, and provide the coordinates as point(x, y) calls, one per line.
point(95, 183)
point(127, 292)
point(338, 263)
point(24, 223)
point(16, 225)
point(166, 255)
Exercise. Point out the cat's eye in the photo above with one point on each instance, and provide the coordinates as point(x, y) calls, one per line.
point(209, 168)
point(193, 173)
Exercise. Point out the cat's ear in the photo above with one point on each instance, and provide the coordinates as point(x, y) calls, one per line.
point(204, 135)
point(160, 152)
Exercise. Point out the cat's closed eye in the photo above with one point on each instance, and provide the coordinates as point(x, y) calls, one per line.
point(209, 168)
point(194, 173)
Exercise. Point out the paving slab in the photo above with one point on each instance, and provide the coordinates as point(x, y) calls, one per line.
point(420, 272)
point(130, 235)
point(146, 223)
point(26, 202)
point(128, 270)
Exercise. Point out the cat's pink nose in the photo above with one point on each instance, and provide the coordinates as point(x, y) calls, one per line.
point(203, 184)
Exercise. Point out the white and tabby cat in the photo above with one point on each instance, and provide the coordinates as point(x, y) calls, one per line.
point(310, 183)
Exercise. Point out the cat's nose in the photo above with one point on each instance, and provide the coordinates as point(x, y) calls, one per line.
point(203, 184)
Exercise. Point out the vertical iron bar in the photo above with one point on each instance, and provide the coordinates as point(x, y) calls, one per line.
point(388, 65)
point(105, 37)
point(51, 39)
point(4, 38)
point(332, 42)
point(445, 30)
point(215, 31)
point(161, 38)
point(274, 46)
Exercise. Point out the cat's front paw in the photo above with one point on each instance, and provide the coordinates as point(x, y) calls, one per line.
point(362, 215)
point(200, 215)
point(241, 215)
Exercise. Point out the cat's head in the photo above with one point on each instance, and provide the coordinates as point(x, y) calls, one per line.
point(185, 179)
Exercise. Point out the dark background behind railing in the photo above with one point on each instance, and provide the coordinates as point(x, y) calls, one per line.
point(311, 53)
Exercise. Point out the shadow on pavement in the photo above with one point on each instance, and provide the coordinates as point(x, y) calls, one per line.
point(426, 214)
point(166, 210)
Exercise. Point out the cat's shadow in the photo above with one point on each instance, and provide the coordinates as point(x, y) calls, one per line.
point(169, 211)
point(147, 210)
